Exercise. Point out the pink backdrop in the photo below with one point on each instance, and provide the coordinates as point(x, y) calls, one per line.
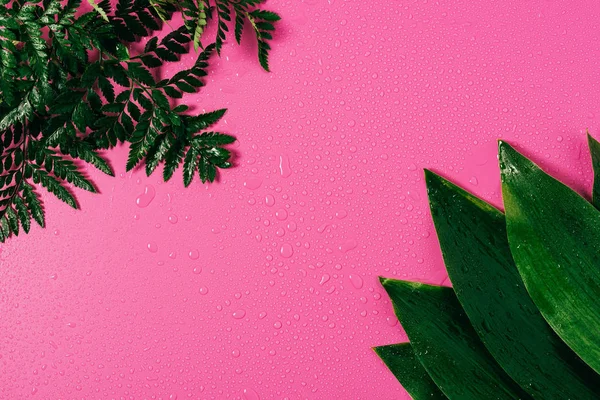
point(264, 285)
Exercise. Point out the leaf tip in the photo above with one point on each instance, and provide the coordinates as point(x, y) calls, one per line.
point(508, 157)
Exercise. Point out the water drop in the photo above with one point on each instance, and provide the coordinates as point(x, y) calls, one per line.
point(356, 281)
point(286, 250)
point(253, 182)
point(284, 166)
point(269, 200)
point(146, 198)
point(341, 214)
point(281, 214)
point(348, 245)
point(250, 394)
point(239, 314)
point(152, 247)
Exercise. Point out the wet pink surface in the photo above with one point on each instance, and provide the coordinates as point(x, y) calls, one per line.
point(264, 285)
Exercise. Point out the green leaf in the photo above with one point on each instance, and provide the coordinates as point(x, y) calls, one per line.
point(117, 73)
point(447, 345)
point(160, 99)
point(266, 15)
point(22, 213)
point(143, 137)
point(594, 146)
point(98, 10)
point(189, 166)
point(107, 89)
point(55, 187)
point(200, 24)
point(203, 121)
point(138, 72)
point(84, 151)
point(19, 114)
point(151, 45)
point(554, 236)
point(13, 221)
point(173, 158)
point(472, 235)
point(403, 363)
point(157, 152)
point(212, 139)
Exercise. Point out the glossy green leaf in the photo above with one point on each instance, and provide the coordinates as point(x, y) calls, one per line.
point(472, 236)
point(554, 236)
point(594, 146)
point(447, 345)
point(403, 363)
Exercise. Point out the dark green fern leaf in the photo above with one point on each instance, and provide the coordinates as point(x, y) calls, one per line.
point(22, 213)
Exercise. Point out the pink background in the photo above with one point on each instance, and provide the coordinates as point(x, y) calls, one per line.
point(264, 285)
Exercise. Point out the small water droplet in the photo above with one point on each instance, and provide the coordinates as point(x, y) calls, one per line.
point(173, 218)
point(194, 254)
point(239, 314)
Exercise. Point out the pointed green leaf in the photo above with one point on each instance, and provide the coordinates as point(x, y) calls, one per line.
point(594, 146)
point(55, 187)
point(554, 236)
point(403, 363)
point(472, 235)
point(173, 158)
point(13, 220)
point(34, 204)
point(23, 213)
point(189, 166)
point(447, 345)
point(98, 9)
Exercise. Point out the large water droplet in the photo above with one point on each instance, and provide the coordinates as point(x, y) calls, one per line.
point(286, 250)
point(146, 198)
point(284, 166)
point(250, 394)
point(348, 245)
point(253, 182)
point(356, 281)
